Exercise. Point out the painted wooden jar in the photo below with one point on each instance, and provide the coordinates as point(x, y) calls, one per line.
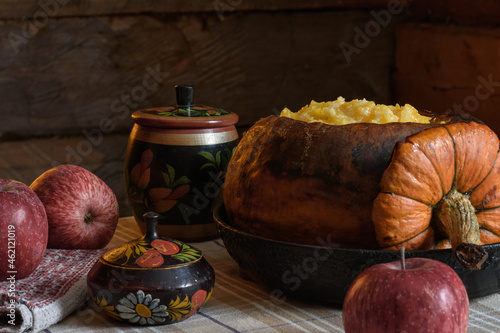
point(151, 280)
point(175, 165)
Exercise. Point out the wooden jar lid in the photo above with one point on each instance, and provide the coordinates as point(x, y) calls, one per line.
point(185, 114)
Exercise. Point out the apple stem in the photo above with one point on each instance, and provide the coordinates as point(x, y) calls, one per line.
point(88, 218)
point(402, 256)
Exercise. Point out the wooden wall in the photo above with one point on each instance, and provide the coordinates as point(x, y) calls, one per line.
point(447, 58)
point(72, 72)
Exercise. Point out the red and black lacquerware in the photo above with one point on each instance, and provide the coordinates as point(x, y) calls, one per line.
point(151, 280)
point(176, 161)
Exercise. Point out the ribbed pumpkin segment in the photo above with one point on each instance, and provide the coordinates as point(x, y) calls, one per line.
point(403, 176)
point(487, 194)
point(437, 146)
point(424, 239)
point(489, 227)
point(465, 203)
point(476, 147)
point(398, 220)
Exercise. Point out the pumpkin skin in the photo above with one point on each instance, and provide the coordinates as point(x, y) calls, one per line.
point(311, 183)
point(413, 209)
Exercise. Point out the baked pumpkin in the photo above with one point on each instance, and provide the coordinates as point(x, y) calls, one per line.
point(311, 183)
point(441, 190)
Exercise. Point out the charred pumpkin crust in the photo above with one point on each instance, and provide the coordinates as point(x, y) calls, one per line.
point(294, 181)
point(290, 180)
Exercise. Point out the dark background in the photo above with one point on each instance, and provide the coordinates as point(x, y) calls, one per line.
point(72, 72)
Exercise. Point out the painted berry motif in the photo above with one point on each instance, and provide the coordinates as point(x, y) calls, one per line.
point(198, 299)
point(165, 247)
point(163, 199)
point(141, 172)
point(139, 177)
point(158, 199)
point(155, 254)
point(151, 258)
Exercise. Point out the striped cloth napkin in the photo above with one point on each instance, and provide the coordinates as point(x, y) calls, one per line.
point(54, 290)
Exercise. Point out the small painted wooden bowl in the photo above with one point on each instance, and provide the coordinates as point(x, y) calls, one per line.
point(151, 280)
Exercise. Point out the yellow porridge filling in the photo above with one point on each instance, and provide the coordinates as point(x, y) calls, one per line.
point(340, 112)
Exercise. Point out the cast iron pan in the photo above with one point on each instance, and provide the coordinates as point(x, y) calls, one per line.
point(324, 274)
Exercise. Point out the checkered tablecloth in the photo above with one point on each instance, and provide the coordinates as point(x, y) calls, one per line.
point(239, 305)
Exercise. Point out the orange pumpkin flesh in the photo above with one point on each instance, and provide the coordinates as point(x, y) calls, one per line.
point(440, 191)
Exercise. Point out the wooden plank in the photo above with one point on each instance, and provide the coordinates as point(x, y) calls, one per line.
point(25, 160)
point(449, 68)
point(456, 11)
point(84, 74)
point(37, 9)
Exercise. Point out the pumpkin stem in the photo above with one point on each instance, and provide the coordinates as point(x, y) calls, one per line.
point(459, 223)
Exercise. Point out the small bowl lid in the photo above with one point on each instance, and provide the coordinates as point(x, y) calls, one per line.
point(151, 251)
point(185, 114)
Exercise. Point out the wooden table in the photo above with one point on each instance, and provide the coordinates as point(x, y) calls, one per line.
point(239, 305)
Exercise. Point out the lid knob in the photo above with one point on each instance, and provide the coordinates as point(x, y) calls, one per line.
point(185, 96)
point(151, 220)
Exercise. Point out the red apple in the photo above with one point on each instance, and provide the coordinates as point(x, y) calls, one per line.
point(81, 209)
point(24, 228)
point(426, 296)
